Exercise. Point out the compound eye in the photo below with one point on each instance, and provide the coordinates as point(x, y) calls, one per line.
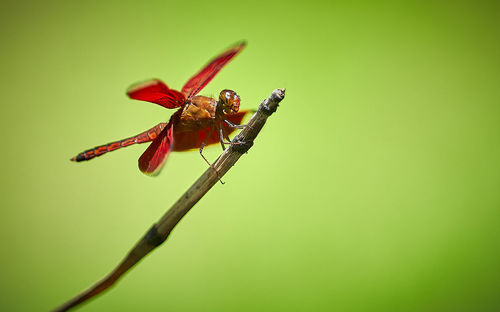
point(228, 95)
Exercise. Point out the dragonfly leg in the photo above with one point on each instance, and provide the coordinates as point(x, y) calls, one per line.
point(203, 156)
point(226, 136)
point(230, 124)
point(239, 146)
point(221, 137)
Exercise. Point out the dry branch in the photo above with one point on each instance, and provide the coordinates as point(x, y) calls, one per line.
point(160, 231)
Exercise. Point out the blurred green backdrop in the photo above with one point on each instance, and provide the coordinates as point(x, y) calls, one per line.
point(375, 187)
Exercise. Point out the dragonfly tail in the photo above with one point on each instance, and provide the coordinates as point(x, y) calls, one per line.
point(146, 136)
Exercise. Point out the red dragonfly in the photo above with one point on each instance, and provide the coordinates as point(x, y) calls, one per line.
point(199, 121)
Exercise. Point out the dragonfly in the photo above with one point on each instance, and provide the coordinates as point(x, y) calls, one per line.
point(198, 122)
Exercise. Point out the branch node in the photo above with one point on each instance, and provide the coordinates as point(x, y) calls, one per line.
point(268, 110)
point(153, 238)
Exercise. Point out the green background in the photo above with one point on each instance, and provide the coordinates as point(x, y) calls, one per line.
point(375, 187)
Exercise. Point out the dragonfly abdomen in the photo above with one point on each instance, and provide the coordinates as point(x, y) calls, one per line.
point(146, 136)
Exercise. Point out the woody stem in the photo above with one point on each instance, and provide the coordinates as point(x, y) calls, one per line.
point(160, 231)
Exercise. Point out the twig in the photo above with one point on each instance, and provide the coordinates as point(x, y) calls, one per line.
point(160, 231)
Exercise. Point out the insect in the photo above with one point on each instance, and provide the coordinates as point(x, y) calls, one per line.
point(198, 122)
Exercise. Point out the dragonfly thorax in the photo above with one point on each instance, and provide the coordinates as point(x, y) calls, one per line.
point(230, 101)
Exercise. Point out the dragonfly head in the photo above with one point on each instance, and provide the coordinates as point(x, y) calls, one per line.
point(230, 101)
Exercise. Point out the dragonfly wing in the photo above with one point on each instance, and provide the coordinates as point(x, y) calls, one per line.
point(193, 139)
point(156, 91)
point(153, 159)
point(200, 80)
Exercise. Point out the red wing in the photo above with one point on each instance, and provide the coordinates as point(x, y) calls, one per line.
point(156, 91)
point(200, 80)
point(152, 160)
point(193, 139)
